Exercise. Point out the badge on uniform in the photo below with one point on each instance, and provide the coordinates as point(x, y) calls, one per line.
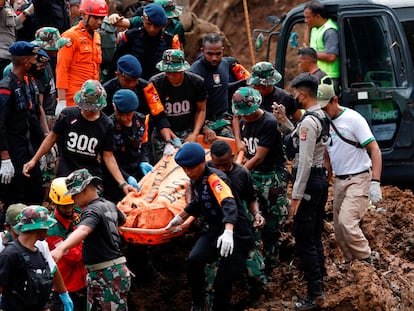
point(216, 78)
point(303, 133)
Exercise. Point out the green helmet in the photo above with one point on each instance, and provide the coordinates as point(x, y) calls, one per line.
point(173, 61)
point(49, 39)
point(263, 73)
point(91, 97)
point(246, 100)
point(171, 10)
point(34, 217)
point(78, 180)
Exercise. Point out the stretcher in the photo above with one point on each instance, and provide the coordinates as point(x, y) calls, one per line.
point(164, 194)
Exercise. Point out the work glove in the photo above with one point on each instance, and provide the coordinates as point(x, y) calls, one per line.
point(29, 10)
point(226, 242)
point(176, 142)
point(61, 104)
point(131, 180)
point(169, 149)
point(66, 301)
point(114, 18)
point(177, 220)
point(374, 193)
point(6, 171)
point(146, 167)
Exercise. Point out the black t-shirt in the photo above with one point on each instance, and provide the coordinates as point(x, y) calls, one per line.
point(180, 103)
point(264, 133)
point(13, 275)
point(82, 142)
point(216, 79)
point(280, 96)
point(104, 242)
point(47, 87)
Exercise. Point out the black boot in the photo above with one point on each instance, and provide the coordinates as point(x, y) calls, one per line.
point(314, 298)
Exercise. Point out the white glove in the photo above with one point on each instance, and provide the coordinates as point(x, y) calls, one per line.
point(6, 171)
point(226, 242)
point(61, 104)
point(29, 10)
point(177, 220)
point(169, 149)
point(374, 193)
point(114, 18)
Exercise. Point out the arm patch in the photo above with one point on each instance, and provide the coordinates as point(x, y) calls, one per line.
point(220, 189)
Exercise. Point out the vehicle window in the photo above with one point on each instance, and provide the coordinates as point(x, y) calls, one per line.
point(368, 53)
point(409, 34)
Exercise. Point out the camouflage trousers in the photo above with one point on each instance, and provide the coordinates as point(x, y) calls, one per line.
point(221, 127)
point(158, 143)
point(107, 289)
point(271, 193)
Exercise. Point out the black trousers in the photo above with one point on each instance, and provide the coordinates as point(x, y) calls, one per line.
point(308, 227)
point(230, 268)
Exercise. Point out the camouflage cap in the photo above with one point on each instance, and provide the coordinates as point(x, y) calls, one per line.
point(171, 10)
point(34, 217)
point(263, 73)
point(246, 100)
point(91, 97)
point(173, 61)
point(49, 38)
point(78, 180)
point(12, 212)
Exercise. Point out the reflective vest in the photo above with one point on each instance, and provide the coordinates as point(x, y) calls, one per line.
point(316, 42)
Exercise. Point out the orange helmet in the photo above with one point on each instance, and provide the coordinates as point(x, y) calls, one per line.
point(94, 7)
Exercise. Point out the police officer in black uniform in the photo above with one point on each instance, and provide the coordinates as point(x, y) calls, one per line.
point(131, 149)
point(19, 123)
point(310, 191)
point(225, 227)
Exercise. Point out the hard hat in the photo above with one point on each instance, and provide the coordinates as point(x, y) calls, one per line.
point(94, 7)
point(57, 191)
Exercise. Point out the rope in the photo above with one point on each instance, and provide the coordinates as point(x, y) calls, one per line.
point(249, 33)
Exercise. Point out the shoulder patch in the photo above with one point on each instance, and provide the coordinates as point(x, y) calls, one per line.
point(303, 132)
point(69, 43)
point(220, 189)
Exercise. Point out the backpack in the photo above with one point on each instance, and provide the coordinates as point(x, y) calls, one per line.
point(37, 290)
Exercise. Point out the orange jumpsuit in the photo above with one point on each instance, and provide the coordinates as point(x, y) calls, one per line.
point(78, 61)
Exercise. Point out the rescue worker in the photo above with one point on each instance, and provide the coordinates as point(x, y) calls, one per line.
point(131, 149)
point(84, 135)
point(10, 234)
point(264, 78)
point(310, 191)
point(222, 159)
point(225, 227)
point(80, 60)
point(174, 27)
point(308, 62)
point(266, 163)
point(218, 72)
point(322, 35)
point(18, 124)
point(108, 278)
point(70, 266)
point(25, 277)
point(357, 163)
point(183, 95)
point(148, 42)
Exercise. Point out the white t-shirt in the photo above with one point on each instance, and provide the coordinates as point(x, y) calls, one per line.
point(346, 158)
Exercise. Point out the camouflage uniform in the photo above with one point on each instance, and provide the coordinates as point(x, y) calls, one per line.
point(110, 287)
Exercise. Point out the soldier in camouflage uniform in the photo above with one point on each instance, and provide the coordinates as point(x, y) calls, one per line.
point(183, 96)
point(266, 162)
point(108, 278)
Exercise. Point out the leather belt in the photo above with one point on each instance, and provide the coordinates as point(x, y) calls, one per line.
point(106, 264)
point(350, 175)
